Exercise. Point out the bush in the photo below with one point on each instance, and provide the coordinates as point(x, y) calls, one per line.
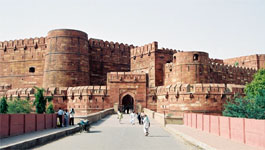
point(50, 109)
point(3, 105)
point(41, 101)
point(253, 104)
point(246, 107)
point(19, 106)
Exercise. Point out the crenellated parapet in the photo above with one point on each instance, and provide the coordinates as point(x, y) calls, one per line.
point(87, 91)
point(20, 93)
point(201, 98)
point(200, 88)
point(23, 44)
point(109, 45)
point(232, 68)
point(146, 49)
point(256, 61)
point(126, 77)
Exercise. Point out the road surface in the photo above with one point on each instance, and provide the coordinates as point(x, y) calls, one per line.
point(109, 134)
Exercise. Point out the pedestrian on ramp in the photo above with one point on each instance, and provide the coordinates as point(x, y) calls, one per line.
point(146, 125)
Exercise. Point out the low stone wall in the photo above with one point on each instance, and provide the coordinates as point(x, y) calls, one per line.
point(94, 117)
point(163, 120)
point(16, 124)
point(247, 131)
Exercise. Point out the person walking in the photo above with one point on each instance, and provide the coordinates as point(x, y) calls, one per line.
point(120, 116)
point(66, 118)
point(60, 116)
point(72, 113)
point(132, 117)
point(146, 125)
point(139, 118)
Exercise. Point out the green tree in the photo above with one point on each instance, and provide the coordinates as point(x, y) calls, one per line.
point(257, 84)
point(3, 105)
point(50, 109)
point(19, 106)
point(253, 104)
point(41, 100)
point(246, 107)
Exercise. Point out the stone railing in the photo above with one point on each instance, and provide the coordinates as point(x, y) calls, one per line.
point(94, 117)
point(162, 118)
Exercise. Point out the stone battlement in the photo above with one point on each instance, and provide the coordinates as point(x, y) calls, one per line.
point(111, 45)
point(126, 77)
point(200, 88)
point(146, 49)
point(24, 44)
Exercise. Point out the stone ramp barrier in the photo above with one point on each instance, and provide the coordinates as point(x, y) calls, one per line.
point(30, 140)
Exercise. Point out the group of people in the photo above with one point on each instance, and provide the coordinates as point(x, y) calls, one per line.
point(142, 119)
point(68, 117)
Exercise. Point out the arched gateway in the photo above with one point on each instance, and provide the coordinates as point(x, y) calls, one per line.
point(127, 103)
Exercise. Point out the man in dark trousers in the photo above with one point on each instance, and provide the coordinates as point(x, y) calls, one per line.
point(60, 115)
point(139, 117)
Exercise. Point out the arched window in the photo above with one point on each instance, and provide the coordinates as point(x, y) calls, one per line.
point(32, 69)
point(195, 57)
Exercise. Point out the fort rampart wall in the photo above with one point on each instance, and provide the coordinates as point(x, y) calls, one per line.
point(107, 57)
point(196, 67)
point(22, 62)
point(252, 61)
point(204, 98)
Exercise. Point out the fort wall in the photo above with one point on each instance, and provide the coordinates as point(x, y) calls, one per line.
point(22, 62)
point(201, 98)
point(196, 67)
point(149, 59)
point(252, 61)
point(107, 57)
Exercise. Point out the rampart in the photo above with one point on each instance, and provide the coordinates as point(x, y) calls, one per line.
point(196, 67)
point(149, 59)
point(22, 62)
point(107, 57)
point(252, 61)
point(204, 98)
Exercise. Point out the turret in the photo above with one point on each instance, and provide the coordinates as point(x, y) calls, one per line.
point(191, 67)
point(66, 59)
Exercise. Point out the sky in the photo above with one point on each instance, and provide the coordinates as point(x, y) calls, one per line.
point(223, 28)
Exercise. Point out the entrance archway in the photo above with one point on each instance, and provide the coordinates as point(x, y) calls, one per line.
point(127, 103)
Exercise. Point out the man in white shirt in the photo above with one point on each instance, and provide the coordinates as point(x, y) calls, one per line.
point(146, 125)
point(132, 116)
point(60, 115)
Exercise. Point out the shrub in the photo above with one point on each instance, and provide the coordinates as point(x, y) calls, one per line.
point(19, 106)
point(50, 109)
point(41, 101)
point(3, 105)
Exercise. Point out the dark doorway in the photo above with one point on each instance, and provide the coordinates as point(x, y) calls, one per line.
point(127, 103)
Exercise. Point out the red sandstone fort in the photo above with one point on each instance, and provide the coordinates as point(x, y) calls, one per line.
point(90, 74)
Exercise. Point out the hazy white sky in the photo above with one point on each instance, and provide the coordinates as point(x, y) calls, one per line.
point(223, 28)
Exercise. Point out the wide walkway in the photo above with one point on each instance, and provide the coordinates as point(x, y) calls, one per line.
point(109, 134)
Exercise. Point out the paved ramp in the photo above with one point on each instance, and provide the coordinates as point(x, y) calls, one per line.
point(109, 134)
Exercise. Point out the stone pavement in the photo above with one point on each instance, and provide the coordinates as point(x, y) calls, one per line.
point(109, 134)
point(206, 140)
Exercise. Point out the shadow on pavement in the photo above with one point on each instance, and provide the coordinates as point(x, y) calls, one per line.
point(94, 132)
point(101, 121)
point(158, 136)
